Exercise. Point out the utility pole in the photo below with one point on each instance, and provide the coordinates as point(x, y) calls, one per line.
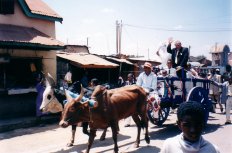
point(67, 41)
point(137, 49)
point(117, 28)
point(118, 36)
point(87, 41)
point(148, 56)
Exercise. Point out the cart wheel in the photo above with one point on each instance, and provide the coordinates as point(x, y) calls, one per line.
point(200, 95)
point(157, 117)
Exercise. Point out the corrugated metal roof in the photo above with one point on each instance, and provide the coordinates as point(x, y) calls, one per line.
point(87, 60)
point(41, 8)
point(19, 34)
point(157, 60)
point(120, 60)
point(219, 48)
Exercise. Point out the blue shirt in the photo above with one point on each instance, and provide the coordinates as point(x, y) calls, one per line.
point(147, 81)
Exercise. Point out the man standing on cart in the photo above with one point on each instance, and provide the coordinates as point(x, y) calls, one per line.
point(180, 54)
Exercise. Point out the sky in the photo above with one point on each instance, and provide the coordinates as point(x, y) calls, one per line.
point(146, 24)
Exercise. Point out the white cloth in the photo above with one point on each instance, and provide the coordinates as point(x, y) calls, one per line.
point(147, 81)
point(177, 144)
point(228, 108)
point(214, 90)
point(68, 77)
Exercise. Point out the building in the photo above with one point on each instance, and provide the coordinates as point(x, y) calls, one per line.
point(80, 62)
point(27, 46)
point(220, 54)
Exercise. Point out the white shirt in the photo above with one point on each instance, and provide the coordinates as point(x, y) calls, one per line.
point(176, 60)
point(229, 91)
point(147, 81)
point(171, 72)
point(177, 144)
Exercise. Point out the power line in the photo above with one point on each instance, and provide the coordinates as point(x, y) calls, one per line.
point(178, 30)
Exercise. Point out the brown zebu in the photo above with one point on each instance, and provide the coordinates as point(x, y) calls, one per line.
point(113, 105)
point(53, 103)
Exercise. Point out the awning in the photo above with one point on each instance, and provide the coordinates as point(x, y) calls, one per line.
point(86, 60)
point(155, 60)
point(120, 60)
point(18, 37)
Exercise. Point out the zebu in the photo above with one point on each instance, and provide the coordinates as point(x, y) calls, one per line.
point(113, 105)
point(53, 102)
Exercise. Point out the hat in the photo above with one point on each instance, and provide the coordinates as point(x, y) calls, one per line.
point(217, 70)
point(147, 64)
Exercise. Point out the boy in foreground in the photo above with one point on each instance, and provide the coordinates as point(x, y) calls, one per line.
point(190, 121)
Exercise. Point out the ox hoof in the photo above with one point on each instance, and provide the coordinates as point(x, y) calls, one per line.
point(147, 139)
point(69, 144)
point(102, 138)
point(136, 145)
point(115, 151)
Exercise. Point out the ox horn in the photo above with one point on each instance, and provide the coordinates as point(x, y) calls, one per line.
point(50, 81)
point(78, 99)
point(68, 97)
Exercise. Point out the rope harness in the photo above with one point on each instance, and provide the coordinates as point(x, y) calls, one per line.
point(49, 102)
point(90, 108)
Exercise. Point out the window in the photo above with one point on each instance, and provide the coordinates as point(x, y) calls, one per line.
point(6, 6)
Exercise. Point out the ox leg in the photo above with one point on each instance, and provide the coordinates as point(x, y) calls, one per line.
point(138, 124)
point(103, 136)
point(144, 122)
point(114, 127)
point(74, 127)
point(91, 139)
point(85, 128)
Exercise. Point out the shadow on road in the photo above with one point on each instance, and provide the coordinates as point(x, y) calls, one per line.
point(97, 143)
point(210, 127)
point(28, 131)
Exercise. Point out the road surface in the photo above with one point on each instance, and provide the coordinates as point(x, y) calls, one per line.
point(53, 139)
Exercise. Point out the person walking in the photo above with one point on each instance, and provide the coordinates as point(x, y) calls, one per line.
point(215, 91)
point(130, 81)
point(228, 91)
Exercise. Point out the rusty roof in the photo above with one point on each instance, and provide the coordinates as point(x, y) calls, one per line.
point(11, 34)
point(120, 60)
point(84, 60)
point(39, 7)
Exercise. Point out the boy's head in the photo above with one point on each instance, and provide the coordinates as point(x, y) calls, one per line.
point(230, 80)
point(169, 63)
point(94, 82)
point(190, 117)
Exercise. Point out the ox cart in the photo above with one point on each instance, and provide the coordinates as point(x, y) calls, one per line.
point(174, 91)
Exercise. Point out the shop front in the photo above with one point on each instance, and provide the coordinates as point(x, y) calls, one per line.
point(25, 54)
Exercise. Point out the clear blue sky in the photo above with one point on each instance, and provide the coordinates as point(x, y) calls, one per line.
point(146, 23)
